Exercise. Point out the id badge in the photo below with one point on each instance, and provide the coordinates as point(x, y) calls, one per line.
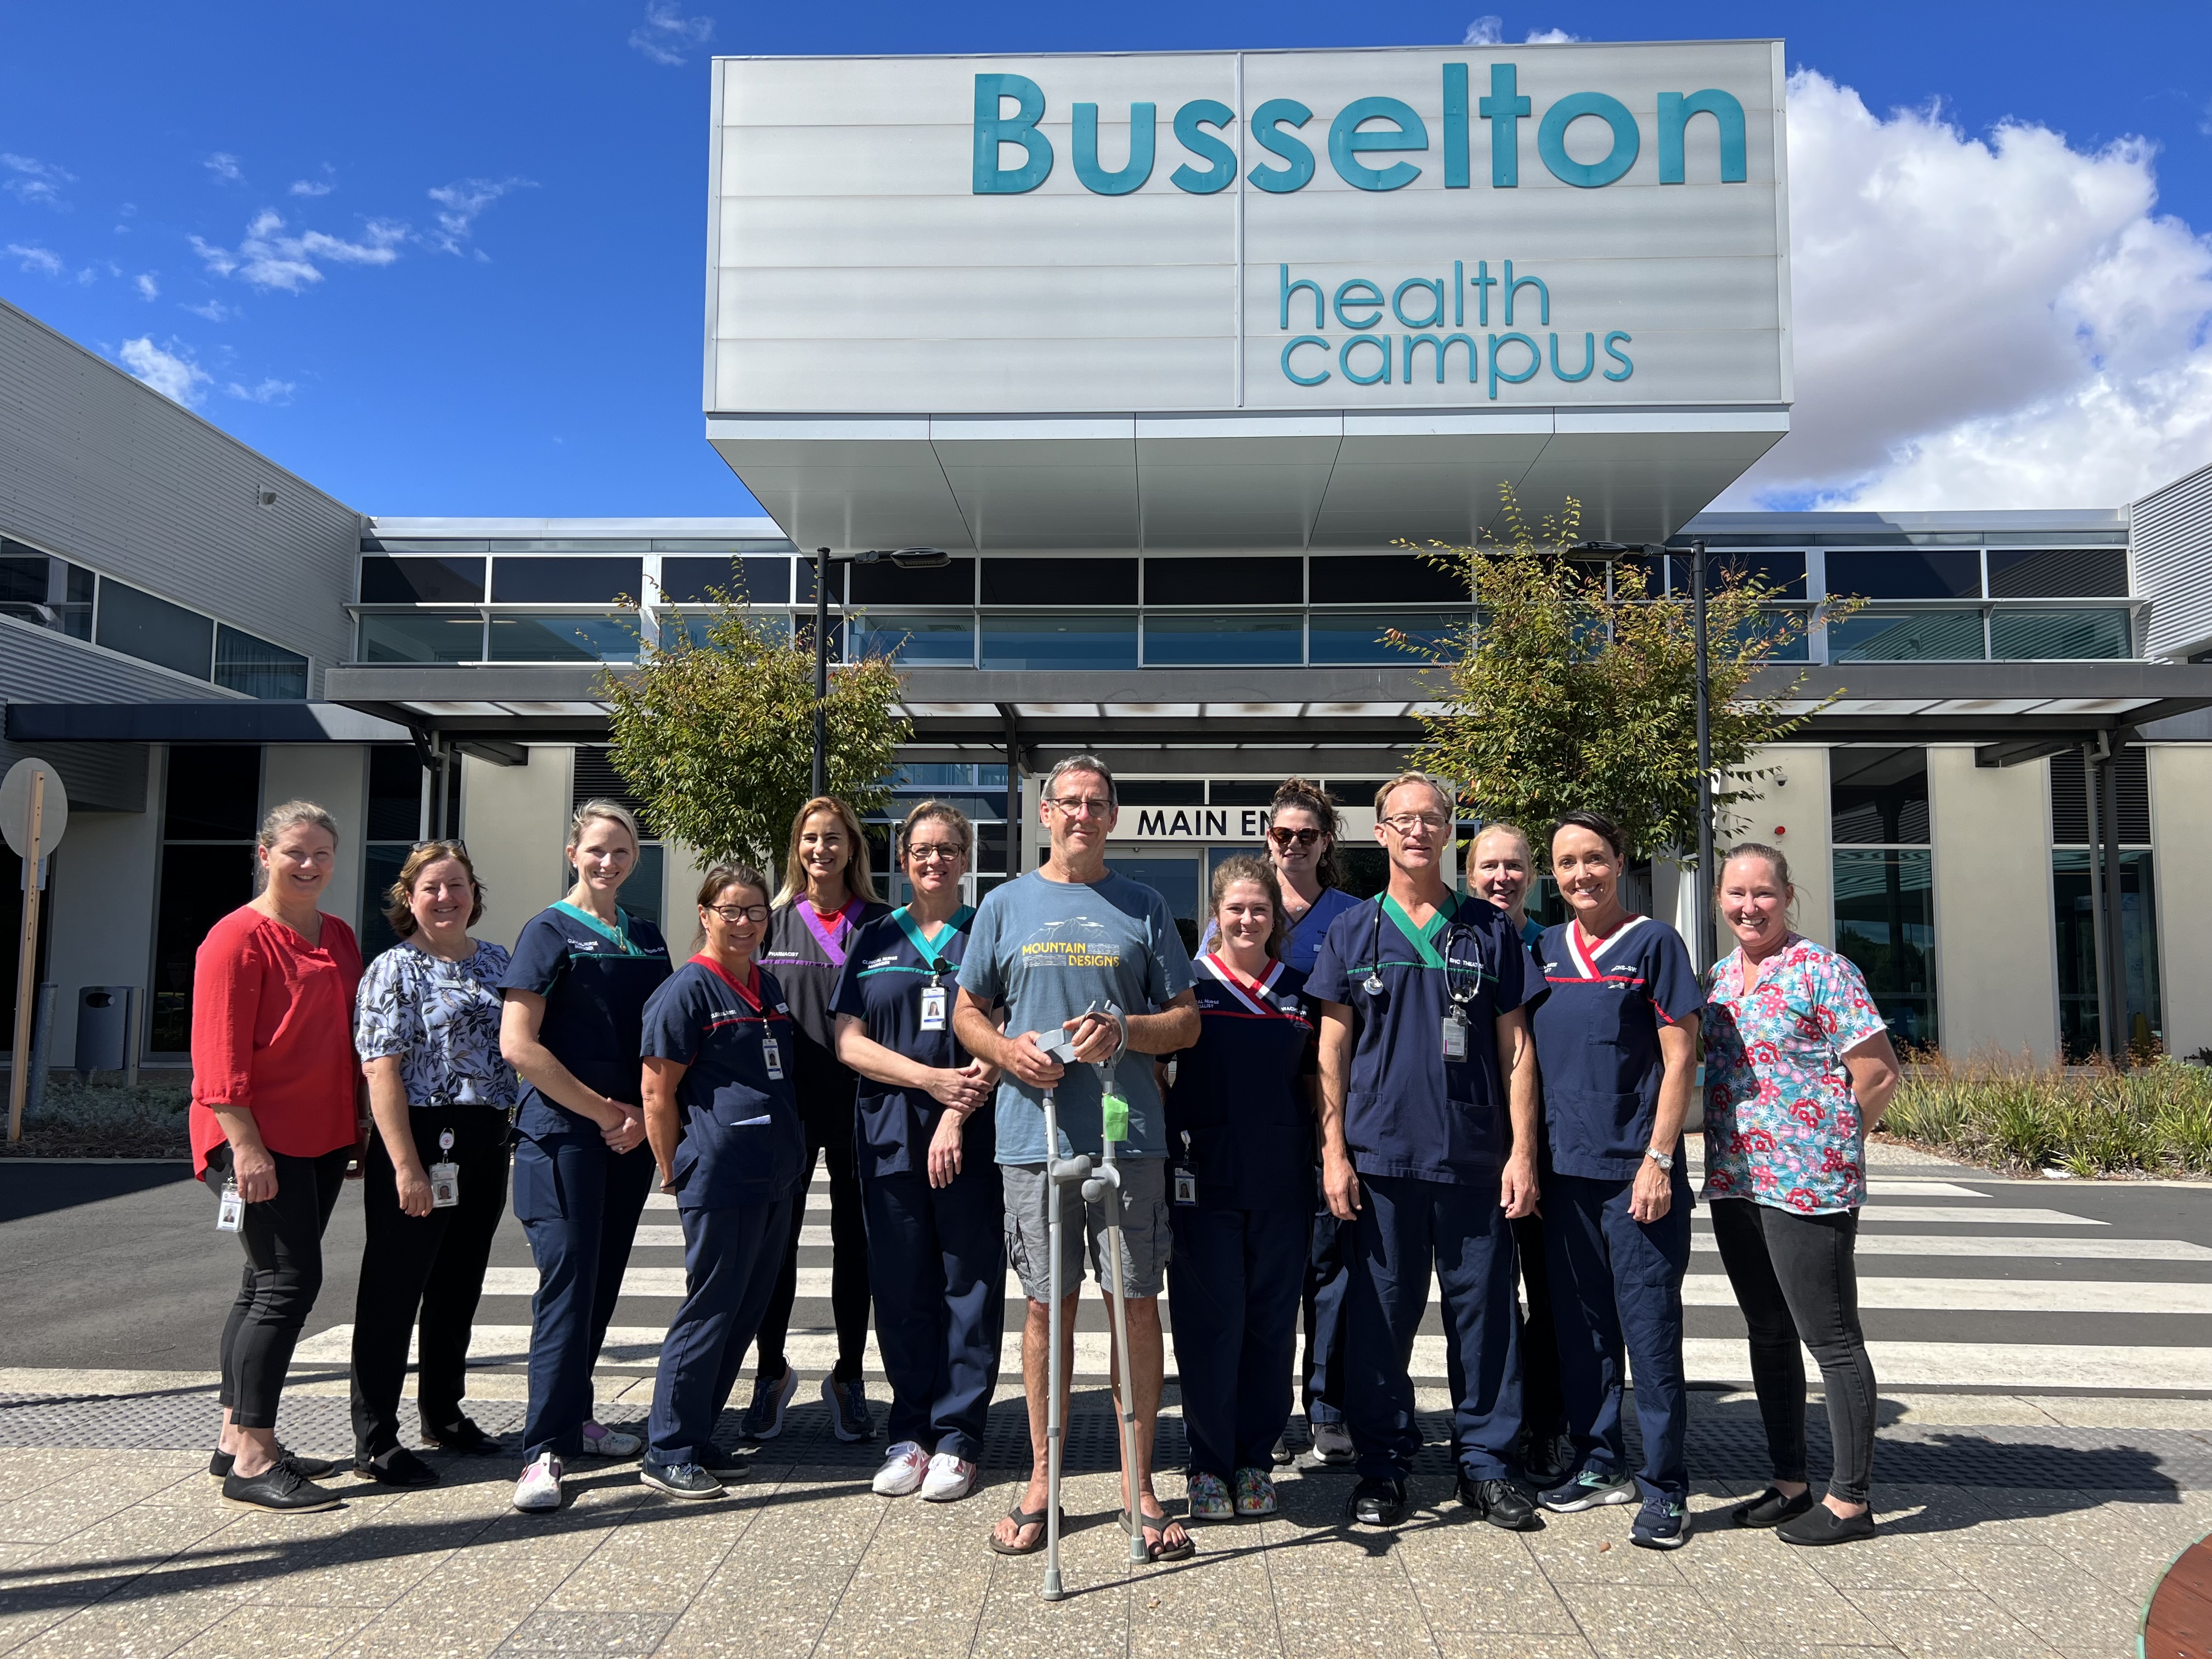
point(933, 1008)
point(1186, 1187)
point(772, 1057)
point(231, 1215)
point(1454, 1035)
point(445, 1186)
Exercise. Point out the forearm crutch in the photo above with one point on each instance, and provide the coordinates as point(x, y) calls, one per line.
point(1106, 1183)
point(1059, 1172)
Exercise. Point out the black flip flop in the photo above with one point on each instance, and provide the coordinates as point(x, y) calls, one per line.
point(1163, 1551)
point(1022, 1517)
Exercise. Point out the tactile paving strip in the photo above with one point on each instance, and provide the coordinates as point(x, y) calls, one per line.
point(2132, 1459)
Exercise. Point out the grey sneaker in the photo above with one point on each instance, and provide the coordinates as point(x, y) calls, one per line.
point(848, 1409)
point(1589, 1490)
point(763, 1419)
point(1332, 1445)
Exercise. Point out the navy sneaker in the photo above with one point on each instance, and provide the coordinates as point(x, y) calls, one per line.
point(1663, 1523)
point(848, 1409)
point(763, 1419)
point(1586, 1491)
point(679, 1480)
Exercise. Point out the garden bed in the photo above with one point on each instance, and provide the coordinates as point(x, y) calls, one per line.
point(2086, 1121)
point(96, 1119)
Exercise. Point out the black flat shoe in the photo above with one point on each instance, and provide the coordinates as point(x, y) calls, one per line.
point(397, 1467)
point(1377, 1503)
point(1822, 1525)
point(308, 1468)
point(1501, 1503)
point(1771, 1509)
point(279, 1489)
point(463, 1437)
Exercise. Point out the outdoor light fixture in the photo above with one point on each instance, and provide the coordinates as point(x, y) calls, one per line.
point(905, 558)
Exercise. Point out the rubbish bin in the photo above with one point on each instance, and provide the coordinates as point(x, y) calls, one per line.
point(103, 1024)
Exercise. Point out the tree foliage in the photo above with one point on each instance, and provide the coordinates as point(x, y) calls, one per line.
point(714, 731)
point(1564, 694)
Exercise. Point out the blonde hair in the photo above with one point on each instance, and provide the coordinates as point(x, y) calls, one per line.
point(398, 906)
point(943, 812)
point(281, 819)
point(1499, 827)
point(1245, 868)
point(856, 863)
point(1443, 795)
point(1776, 860)
point(599, 807)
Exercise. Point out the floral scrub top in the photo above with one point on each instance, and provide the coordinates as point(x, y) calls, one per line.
point(1781, 1126)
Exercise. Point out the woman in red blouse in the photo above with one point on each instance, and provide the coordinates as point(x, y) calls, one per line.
point(275, 1105)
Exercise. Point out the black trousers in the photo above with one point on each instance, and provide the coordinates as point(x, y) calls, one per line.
point(427, 1269)
point(848, 1270)
point(283, 1237)
point(1796, 1277)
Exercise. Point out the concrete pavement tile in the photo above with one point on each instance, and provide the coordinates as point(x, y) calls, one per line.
point(1887, 1560)
point(1511, 1645)
point(1964, 1622)
point(2118, 1412)
point(252, 1630)
point(1220, 1602)
point(1639, 1621)
point(355, 1573)
point(1593, 1548)
point(419, 1629)
point(116, 1551)
point(1016, 1623)
point(656, 1561)
point(1474, 1577)
point(130, 1629)
point(1796, 1608)
point(1349, 1592)
point(785, 1573)
point(51, 1512)
point(918, 1590)
point(613, 1635)
point(2129, 1568)
point(22, 1617)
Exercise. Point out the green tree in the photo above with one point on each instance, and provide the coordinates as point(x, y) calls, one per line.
point(714, 730)
point(1566, 694)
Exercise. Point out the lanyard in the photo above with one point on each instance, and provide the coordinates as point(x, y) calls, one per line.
point(619, 932)
point(932, 958)
point(751, 992)
point(832, 939)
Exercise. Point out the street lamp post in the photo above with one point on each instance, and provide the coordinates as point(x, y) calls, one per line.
point(905, 558)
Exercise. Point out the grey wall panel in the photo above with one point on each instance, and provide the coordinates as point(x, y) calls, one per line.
point(102, 470)
point(2171, 531)
point(100, 777)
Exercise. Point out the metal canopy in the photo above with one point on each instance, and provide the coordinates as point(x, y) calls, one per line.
point(205, 720)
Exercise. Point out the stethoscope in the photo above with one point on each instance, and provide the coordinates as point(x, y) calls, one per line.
point(1456, 932)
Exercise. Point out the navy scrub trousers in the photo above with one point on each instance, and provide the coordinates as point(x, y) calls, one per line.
point(1407, 1225)
point(579, 1203)
point(1329, 1249)
point(1234, 1277)
point(1617, 1286)
point(731, 1256)
point(937, 1263)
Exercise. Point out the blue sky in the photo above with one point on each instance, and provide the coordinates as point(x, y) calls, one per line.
point(502, 208)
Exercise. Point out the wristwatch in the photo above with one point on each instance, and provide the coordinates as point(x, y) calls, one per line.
point(1664, 1160)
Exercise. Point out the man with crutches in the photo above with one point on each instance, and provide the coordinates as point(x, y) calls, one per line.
point(1089, 965)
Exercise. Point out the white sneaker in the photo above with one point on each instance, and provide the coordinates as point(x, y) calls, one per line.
point(540, 1485)
point(951, 1478)
point(902, 1470)
point(599, 1441)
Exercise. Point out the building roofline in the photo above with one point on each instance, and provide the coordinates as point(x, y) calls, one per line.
point(761, 528)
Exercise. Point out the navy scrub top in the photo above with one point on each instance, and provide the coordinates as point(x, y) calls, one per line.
point(595, 980)
point(886, 971)
point(1240, 1092)
point(1301, 940)
point(1597, 1040)
point(743, 1141)
point(1407, 1110)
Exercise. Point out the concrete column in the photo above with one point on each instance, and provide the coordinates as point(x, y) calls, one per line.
point(1996, 945)
point(2180, 807)
point(335, 776)
point(101, 885)
point(1791, 813)
point(515, 820)
point(685, 869)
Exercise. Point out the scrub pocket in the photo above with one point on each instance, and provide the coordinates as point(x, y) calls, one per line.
point(537, 1183)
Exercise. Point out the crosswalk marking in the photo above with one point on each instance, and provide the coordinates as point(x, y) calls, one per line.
point(2001, 1247)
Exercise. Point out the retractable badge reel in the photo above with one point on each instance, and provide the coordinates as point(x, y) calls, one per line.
point(934, 996)
point(1185, 1177)
point(444, 1174)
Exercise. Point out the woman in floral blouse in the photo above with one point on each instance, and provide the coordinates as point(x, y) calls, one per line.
point(426, 1024)
point(1798, 1067)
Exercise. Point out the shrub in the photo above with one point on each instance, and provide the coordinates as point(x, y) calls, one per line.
point(2088, 1119)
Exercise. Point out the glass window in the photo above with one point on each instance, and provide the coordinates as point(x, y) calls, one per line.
point(1776, 622)
point(1915, 636)
point(380, 865)
point(215, 792)
point(23, 578)
point(918, 642)
point(566, 581)
point(1886, 923)
point(1356, 636)
point(1056, 639)
point(1236, 640)
point(1224, 581)
point(256, 667)
point(154, 630)
point(1059, 581)
point(48, 592)
point(1942, 573)
point(698, 625)
point(388, 581)
point(2030, 635)
point(948, 774)
point(1878, 797)
point(210, 811)
point(756, 580)
point(1782, 572)
point(405, 638)
point(1175, 879)
point(886, 584)
point(1382, 578)
point(2080, 1034)
point(2086, 573)
point(611, 637)
point(395, 793)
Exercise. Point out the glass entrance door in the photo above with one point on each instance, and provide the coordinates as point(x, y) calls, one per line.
point(1175, 876)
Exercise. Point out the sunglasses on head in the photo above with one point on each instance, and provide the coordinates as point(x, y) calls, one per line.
point(1287, 839)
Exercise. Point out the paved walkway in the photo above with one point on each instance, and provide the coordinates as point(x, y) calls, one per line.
point(2012, 1525)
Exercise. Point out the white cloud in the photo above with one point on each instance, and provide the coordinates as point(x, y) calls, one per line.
point(311, 187)
point(224, 166)
point(1551, 36)
point(172, 373)
point(461, 202)
point(148, 288)
point(29, 179)
point(1485, 31)
point(267, 392)
point(214, 310)
point(667, 36)
point(43, 260)
point(268, 257)
point(1982, 323)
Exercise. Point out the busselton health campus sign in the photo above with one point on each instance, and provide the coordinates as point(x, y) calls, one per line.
point(1556, 226)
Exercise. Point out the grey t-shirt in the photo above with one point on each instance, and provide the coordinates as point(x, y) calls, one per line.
point(1048, 949)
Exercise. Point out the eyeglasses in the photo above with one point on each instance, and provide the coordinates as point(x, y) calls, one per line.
point(1287, 839)
point(734, 914)
point(923, 852)
point(1089, 806)
point(1405, 822)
